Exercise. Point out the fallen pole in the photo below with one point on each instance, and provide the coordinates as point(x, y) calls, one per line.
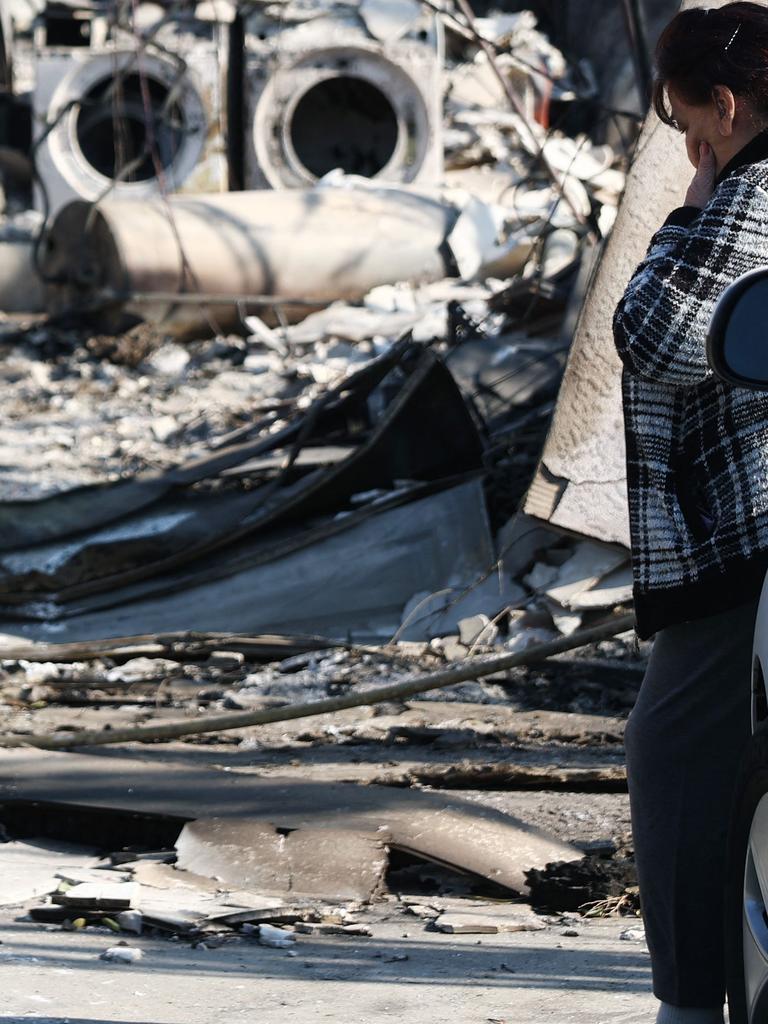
point(473, 668)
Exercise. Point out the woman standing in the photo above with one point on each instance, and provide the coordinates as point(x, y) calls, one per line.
point(697, 470)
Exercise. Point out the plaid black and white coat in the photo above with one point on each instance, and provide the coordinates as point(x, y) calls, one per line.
point(697, 448)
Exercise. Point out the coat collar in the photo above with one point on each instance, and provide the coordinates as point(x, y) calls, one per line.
point(754, 151)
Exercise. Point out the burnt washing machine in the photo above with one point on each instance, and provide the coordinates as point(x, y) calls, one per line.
point(131, 122)
point(335, 91)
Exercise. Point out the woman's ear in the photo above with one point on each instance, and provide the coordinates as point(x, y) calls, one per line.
point(725, 105)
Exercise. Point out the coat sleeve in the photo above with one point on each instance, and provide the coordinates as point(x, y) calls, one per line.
point(660, 325)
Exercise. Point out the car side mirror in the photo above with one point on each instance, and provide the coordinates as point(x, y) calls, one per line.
point(737, 342)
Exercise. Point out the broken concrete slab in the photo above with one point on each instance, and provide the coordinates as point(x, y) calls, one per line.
point(167, 877)
point(435, 614)
point(178, 900)
point(281, 914)
point(95, 876)
point(437, 827)
point(590, 562)
point(477, 629)
point(566, 621)
point(100, 896)
point(30, 869)
point(330, 863)
point(613, 589)
point(541, 576)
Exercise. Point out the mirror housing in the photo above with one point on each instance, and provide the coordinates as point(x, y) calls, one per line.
point(737, 341)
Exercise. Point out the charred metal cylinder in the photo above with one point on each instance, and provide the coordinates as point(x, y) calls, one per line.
point(165, 261)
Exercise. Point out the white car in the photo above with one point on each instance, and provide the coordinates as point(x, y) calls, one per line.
point(737, 349)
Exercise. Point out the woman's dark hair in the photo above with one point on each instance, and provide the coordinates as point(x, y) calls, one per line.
point(709, 46)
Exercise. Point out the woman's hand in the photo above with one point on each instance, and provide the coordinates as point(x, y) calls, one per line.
point(703, 185)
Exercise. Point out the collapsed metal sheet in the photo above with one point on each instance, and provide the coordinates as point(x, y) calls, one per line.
point(424, 433)
point(439, 828)
point(507, 371)
point(325, 587)
point(580, 484)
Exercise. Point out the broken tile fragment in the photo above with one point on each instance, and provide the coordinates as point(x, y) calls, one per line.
point(489, 921)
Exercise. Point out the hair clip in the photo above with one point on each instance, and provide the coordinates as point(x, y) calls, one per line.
point(736, 32)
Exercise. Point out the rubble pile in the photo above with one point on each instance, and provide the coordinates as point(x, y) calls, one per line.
point(226, 876)
point(129, 894)
point(274, 391)
point(151, 464)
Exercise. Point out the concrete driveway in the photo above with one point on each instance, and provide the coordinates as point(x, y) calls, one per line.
point(402, 973)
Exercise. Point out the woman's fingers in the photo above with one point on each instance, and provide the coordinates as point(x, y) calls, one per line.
point(706, 162)
point(703, 185)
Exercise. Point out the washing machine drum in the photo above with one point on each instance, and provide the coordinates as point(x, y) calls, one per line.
point(344, 122)
point(348, 109)
point(128, 123)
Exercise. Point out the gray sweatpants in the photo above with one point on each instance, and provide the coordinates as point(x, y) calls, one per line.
point(684, 739)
